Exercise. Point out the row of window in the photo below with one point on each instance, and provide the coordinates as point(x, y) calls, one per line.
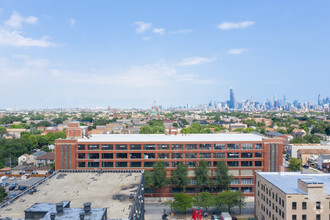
point(269, 213)
point(167, 147)
point(268, 192)
point(214, 190)
point(150, 164)
point(304, 205)
point(304, 217)
point(165, 155)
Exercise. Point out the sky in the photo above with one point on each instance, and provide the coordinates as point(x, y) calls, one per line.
point(130, 53)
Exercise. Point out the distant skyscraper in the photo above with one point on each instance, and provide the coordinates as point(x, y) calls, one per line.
point(232, 102)
point(320, 101)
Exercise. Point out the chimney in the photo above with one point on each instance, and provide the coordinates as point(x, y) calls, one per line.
point(87, 207)
point(52, 215)
point(59, 207)
point(82, 215)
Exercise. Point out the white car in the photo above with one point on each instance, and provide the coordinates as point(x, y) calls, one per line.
point(12, 178)
point(4, 177)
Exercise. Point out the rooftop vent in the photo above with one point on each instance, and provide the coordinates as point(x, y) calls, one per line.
point(87, 207)
point(52, 215)
point(82, 215)
point(59, 207)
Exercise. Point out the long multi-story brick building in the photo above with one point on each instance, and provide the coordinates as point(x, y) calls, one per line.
point(244, 154)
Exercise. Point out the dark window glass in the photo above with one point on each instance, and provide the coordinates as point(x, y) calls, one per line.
point(191, 146)
point(81, 147)
point(163, 147)
point(232, 146)
point(294, 217)
point(121, 164)
point(81, 164)
point(93, 147)
point(135, 155)
point(318, 205)
point(121, 155)
point(232, 163)
point(107, 164)
point(219, 146)
point(150, 147)
point(106, 147)
point(232, 155)
point(304, 217)
point(246, 163)
point(94, 156)
point(246, 155)
point(135, 164)
point(135, 146)
point(107, 156)
point(294, 205)
point(81, 156)
point(304, 205)
point(93, 164)
point(121, 146)
point(258, 154)
point(258, 163)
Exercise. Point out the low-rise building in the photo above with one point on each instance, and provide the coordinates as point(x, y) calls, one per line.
point(45, 159)
point(313, 154)
point(292, 149)
point(292, 195)
point(323, 159)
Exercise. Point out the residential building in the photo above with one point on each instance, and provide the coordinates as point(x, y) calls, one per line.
point(292, 149)
point(292, 196)
point(45, 159)
point(243, 153)
point(323, 159)
point(311, 154)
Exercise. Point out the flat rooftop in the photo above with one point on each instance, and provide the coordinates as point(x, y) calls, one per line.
point(103, 190)
point(288, 181)
point(171, 138)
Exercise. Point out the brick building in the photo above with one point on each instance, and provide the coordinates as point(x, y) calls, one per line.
point(244, 154)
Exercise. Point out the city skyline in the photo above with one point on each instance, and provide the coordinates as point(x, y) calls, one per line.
point(126, 54)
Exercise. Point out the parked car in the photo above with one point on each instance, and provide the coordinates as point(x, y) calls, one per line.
point(22, 187)
point(31, 191)
point(12, 187)
point(4, 184)
point(12, 195)
point(4, 177)
point(214, 217)
point(305, 166)
point(12, 178)
point(14, 184)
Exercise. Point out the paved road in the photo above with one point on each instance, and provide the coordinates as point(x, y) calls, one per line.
point(154, 211)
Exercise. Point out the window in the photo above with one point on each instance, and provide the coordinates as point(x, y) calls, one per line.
point(304, 205)
point(232, 155)
point(246, 163)
point(257, 154)
point(191, 146)
point(94, 156)
point(148, 156)
point(247, 189)
point(177, 146)
point(205, 146)
point(121, 156)
point(93, 147)
point(218, 155)
point(106, 147)
point(121, 147)
point(93, 164)
point(246, 181)
point(121, 164)
point(81, 156)
point(81, 147)
point(177, 156)
point(107, 164)
point(135, 164)
point(294, 205)
point(191, 164)
point(107, 156)
point(148, 164)
point(232, 146)
point(318, 217)
point(318, 205)
point(234, 181)
point(204, 155)
point(219, 146)
point(304, 217)
point(150, 147)
point(135, 155)
point(294, 217)
point(258, 163)
point(163, 147)
point(135, 146)
point(246, 146)
point(81, 164)
point(246, 155)
point(232, 163)
point(163, 156)
point(258, 146)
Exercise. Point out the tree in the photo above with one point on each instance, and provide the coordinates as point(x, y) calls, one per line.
point(3, 193)
point(148, 179)
point(222, 176)
point(181, 202)
point(204, 200)
point(230, 199)
point(295, 164)
point(3, 131)
point(201, 175)
point(180, 176)
point(52, 165)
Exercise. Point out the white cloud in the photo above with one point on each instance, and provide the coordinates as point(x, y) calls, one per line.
point(72, 22)
point(142, 26)
point(16, 39)
point(160, 31)
point(195, 61)
point(16, 20)
point(236, 51)
point(182, 31)
point(237, 25)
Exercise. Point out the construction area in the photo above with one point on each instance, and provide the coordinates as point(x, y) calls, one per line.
point(115, 191)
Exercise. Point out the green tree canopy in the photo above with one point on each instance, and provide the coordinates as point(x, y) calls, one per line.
point(222, 176)
point(295, 164)
point(181, 202)
point(204, 200)
point(180, 176)
point(201, 174)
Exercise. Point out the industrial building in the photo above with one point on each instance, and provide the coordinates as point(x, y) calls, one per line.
point(81, 194)
point(243, 153)
point(292, 196)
